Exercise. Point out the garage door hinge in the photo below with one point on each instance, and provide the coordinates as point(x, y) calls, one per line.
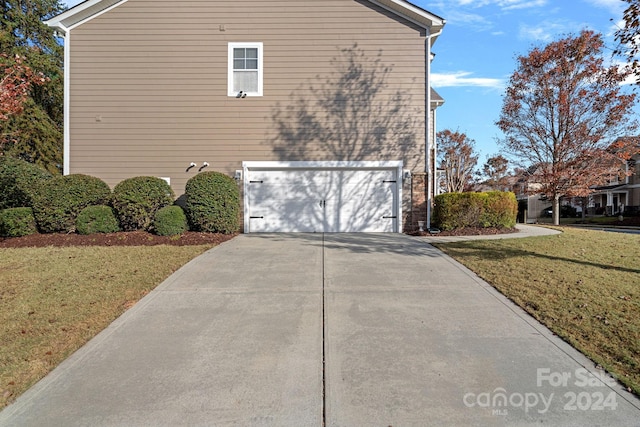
point(256, 182)
point(390, 217)
point(389, 182)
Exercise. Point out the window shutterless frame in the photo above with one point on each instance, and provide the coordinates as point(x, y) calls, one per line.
point(245, 69)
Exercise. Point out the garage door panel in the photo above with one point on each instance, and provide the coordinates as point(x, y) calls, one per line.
point(366, 201)
point(280, 201)
point(290, 215)
point(322, 200)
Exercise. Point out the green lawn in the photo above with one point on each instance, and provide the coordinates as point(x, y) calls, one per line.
point(584, 285)
point(53, 300)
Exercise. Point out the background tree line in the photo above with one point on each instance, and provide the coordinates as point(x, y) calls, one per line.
point(31, 97)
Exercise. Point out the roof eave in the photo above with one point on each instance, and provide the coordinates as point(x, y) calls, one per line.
point(90, 8)
point(80, 13)
point(427, 20)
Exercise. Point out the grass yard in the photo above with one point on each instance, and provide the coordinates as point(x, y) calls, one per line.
point(584, 285)
point(53, 300)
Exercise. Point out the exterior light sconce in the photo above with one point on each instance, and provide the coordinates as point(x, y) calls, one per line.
point(191, 166)
point(241, 94)
point(204, 165)
point(406, 174)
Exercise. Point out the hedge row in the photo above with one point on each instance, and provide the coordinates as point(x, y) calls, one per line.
point(490, 209)
point(31, 200)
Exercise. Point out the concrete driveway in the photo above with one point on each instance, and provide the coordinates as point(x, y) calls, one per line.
point(336, 330)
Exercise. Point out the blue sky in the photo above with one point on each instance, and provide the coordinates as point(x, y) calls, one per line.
point(475, 55)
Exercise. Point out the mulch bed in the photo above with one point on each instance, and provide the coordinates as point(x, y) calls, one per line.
point(142, 238)
point(467, 231)
point(131, 238)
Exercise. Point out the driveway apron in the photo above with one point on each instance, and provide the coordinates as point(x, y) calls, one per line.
point(335, 330)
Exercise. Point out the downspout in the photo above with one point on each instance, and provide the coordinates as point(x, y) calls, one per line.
point(66, 36)
point(427, 121)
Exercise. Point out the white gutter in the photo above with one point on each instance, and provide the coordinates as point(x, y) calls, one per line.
point(427, 121)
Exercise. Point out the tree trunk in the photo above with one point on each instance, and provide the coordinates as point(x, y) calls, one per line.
point(556, 210)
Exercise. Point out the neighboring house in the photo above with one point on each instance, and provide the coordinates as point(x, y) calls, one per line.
point(524, 183)
point(622, 193)
point(533, 205)
point(321, 109)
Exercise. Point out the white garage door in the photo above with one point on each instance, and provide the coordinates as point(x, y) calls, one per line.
point(328, 197)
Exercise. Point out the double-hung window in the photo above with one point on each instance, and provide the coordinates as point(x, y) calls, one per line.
point(245, 69)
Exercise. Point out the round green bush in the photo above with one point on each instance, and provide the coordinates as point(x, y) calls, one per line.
point(17, 222)
point(169, 221)
point(19, 182)
point(61, 199)
point(97, 219)
point(213, 203)
point(136, 201)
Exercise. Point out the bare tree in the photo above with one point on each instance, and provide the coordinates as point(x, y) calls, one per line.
point(457, 160)
point(495, 172)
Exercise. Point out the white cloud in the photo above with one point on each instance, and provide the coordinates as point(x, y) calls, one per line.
point(464, 78)
point(518, 4)
point(615, 6)
point(504, 4)
point(459, 17)
point(547, 30)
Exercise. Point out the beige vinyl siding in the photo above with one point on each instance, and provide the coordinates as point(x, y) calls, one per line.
point(148, 87)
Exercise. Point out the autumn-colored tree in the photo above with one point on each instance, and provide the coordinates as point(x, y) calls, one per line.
point(457, 160)
point(562, 109)
point(495, 171)
point(34, 133)
point(15, 82)
point(628, 36)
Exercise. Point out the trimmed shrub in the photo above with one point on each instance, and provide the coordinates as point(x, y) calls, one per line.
point(500, 210)
point(97, 219)
point(169, 221)
point(61, 199)
point(456, 210)
point(19, 182)
point(136, 201)
point(17, 222)
point(213, 203)
point(490, 209)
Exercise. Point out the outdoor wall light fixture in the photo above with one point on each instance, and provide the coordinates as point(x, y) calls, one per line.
point(241, 94)
point(204, 165)
point(191, 166)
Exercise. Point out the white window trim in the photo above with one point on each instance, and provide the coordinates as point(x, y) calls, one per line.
point(233, 45)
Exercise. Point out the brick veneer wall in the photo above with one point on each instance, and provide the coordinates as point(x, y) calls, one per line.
point(418, 205)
